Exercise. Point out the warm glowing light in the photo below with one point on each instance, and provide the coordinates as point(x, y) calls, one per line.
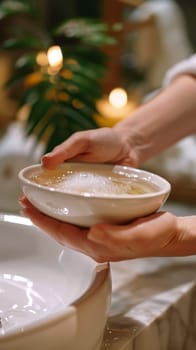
point(42, 58)
point(55, 57)
point(118, 98)
point(115, 107)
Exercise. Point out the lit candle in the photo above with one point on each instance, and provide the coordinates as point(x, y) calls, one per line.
point(114, 108)
point(118, 98)
point(55, 59)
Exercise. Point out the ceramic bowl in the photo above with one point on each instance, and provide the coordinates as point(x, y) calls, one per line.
point(92, 193)
point(51, 297)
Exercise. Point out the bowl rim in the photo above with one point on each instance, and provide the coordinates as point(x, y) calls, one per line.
point(102, 274)
point(86, 195)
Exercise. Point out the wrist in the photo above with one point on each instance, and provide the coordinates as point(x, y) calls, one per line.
point(136, 132)
point(162, 121)
point(186, 244)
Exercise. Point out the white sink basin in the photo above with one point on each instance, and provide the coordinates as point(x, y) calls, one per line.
point(51, 298)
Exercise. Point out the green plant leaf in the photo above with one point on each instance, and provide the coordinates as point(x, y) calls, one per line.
point(89, 31)
point(83, 85)
point(27, 60)
point(89, 71)
point(43, 125)
point(63, 102)
point(22, 43)
point(13, 7)
point(82, 98)
point(35, 93)
point(38, 111)
point(16, 79)
point(59, 135)
point(76, 117)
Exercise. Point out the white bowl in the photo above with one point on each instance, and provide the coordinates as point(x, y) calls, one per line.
point(50, 297)
point(92, 200)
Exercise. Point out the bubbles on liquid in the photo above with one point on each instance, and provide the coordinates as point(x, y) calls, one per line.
point(101, 183)
point(92, 183)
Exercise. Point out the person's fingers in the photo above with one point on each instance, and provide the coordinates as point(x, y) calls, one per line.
point(53, 227)
point(152, 235)
point(71, 236)
point(100, 145)
point(76, 144)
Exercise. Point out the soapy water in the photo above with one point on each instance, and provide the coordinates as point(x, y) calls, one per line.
point(93, 183)
point(88, 182)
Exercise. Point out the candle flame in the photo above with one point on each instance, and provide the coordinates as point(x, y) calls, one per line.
point(55, 57)
point(118, 98)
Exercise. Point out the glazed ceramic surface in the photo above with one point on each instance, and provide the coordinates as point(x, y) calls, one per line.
point(86, 209)
point(50, 297)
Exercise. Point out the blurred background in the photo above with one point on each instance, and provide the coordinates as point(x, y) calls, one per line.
point(86, 64)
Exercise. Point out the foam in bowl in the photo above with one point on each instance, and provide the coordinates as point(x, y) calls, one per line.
point(102, 183)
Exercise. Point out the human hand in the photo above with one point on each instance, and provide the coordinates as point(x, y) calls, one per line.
point(104, 145)
point(160, 234)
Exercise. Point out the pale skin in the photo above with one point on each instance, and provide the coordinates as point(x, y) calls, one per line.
point(152, 128)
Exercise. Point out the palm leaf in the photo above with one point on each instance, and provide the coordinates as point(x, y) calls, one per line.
point(90, 72)
point(78, 118)
point(65, 102)
point(13, 7)
point(83, 99)
point(35, 93)
point(89, 31)
point(84, 53)
point(25, 61)
point(83, 85)
point(22, 43)
point(58, 136)
point(37, 112)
